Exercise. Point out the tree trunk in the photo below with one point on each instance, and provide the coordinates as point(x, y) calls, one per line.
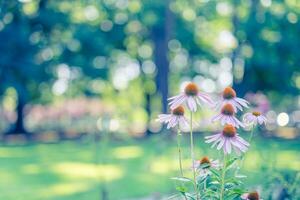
point(148, 110)
point(249, 68)
point(161, 36)
point(18, 127)
point(235, 53)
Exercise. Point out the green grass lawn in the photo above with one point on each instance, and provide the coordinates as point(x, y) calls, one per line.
point(131, 169)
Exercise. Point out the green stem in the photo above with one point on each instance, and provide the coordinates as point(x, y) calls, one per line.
point(179, 154)
point(223, 178)
point(179, 151)
point(251, 134)
point(193, 157)
point(104, 143)
point(250, 139)
point(96, 157)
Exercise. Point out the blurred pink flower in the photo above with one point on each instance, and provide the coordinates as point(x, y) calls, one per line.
point(259, 100)
point(254, 118)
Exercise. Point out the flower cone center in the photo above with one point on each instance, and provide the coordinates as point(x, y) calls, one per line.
point(229, 93)
point(227, 109)
point(256, 113)
point(205, 160)
point(191, 89)
point(229, 131)
point(178, 111)
point(253, 196)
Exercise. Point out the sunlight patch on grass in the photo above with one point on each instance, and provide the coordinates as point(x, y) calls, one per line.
point(8, 153)
point(7, 177)
point(282, 160)
point(30, 169)
point(128, 152)
point(87, 171)
point(163, 166)
point(64, 189)
point(288, 160)
point(252, 161)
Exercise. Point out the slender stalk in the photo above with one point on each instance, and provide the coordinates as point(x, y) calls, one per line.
point(179, 154)
point(179, 150)
point(96, 160)
point(250, 139)
point(251, 134)
point(223, 178)
point(193, 157)
point(100, 184)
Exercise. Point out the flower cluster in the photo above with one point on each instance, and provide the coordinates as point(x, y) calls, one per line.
point(229, 140)
point(191, 98)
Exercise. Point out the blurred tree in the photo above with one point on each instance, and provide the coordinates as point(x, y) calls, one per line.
point(117, 48)
point(273, 45)
point(19, 64)
point(161, 34)
point(36, 47)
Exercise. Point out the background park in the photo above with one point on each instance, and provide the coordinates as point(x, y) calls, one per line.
point(82, 83)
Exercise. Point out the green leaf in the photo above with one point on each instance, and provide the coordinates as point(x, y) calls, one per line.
point(201, 179)
point(205, 165)
point(190, 196)
point(181, 189)
point(231, 196)
point(229, 185)
point(215, 183)
point(230, 162)
point(234, 181)
point(210, 193)
point(215, 172)
point(182, 179)
point(240, 176)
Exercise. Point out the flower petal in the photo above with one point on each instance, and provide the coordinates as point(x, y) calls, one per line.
point(223, 140)
point(191, 103)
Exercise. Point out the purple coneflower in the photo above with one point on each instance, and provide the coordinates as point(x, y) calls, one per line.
point(175, 118)
point(204, 164)
point(227, 116)
point(229, 96)
point(251, 196)
point(254, 118)
point(191, 96)
point(228, 139)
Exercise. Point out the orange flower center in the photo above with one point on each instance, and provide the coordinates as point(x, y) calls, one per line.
point(191, 89)
point(229, 131)
point(178, 111)
point(227, 109)
point(253, 196)
point(205, 160)
point(256, 113)
point(229, 93)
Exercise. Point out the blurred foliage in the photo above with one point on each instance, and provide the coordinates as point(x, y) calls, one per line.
point(117, 50)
